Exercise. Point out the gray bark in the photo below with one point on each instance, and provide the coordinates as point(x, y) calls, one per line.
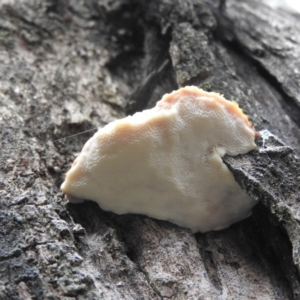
point(73, 66)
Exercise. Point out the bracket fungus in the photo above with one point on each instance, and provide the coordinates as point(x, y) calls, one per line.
point(166, 162)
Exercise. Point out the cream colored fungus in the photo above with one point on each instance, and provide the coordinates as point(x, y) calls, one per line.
point(166, 162)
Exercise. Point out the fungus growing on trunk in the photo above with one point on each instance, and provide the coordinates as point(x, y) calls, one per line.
point(166, 162)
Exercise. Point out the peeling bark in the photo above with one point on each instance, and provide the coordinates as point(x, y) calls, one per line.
point(73, 66)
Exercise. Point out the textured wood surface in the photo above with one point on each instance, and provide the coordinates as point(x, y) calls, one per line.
point(73, 66)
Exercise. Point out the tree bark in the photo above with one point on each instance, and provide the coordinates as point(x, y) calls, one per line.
point(68, 67)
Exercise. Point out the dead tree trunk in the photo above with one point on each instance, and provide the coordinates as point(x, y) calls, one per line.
point(72, 66)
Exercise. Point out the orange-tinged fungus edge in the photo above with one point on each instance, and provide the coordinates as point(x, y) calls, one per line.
point(166, 162)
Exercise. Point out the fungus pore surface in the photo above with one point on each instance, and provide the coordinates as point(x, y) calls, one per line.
point(166, 162)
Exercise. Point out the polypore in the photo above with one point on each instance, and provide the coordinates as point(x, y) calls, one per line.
point(166, 162)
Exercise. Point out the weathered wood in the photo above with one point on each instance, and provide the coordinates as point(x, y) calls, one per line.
point(72, 66)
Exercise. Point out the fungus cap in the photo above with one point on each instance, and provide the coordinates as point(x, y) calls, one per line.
point(166, 162)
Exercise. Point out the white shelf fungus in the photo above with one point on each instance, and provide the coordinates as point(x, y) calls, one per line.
point(166, 163)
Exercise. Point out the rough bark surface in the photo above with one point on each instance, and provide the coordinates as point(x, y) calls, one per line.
point(72, 66)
